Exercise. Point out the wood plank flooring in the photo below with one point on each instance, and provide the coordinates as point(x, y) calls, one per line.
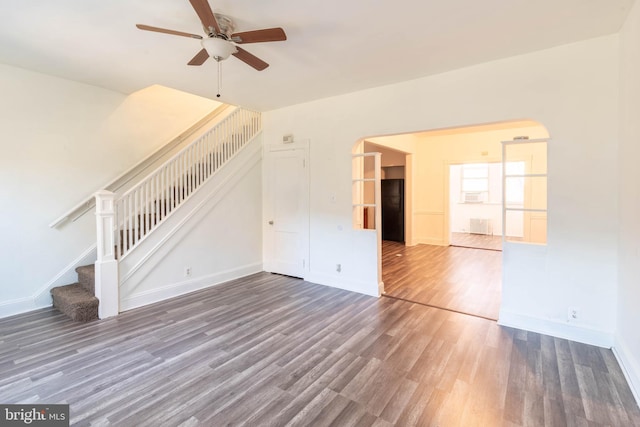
point(453, 278)
point(269, 350)
point(478, 241)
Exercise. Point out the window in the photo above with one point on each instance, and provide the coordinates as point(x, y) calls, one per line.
point(525, 191)
point(514, 190)
point(475, 182)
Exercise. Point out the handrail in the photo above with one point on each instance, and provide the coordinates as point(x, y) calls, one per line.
point(143, 207)
point(121, 180)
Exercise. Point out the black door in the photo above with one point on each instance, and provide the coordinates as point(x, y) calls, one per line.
point(393, 209)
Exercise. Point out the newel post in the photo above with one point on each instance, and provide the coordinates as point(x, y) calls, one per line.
point(106, 265)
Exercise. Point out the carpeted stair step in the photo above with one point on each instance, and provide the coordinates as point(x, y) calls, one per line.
point(76, 302)
point(87, 278)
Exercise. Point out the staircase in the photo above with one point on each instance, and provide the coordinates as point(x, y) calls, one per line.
point(77, 300)
point(144, 207)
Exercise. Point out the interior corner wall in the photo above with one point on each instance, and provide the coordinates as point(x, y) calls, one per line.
point(627, 345)
point(573, 91)
point(62, 141)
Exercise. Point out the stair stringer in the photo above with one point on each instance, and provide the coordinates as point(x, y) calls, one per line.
point(216, 232)
point(42, 297)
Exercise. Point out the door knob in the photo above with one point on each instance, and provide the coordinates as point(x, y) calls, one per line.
point(271, 222)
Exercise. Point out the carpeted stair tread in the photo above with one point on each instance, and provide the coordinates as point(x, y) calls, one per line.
point(87, 277)
point(76, 302)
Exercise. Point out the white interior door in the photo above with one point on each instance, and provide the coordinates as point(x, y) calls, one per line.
point(287, 212)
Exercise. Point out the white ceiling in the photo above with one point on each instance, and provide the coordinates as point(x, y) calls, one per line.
point(333, 46)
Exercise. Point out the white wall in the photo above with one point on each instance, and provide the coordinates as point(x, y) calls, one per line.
point(61, 141)
point(572, 90)
point(627, 345)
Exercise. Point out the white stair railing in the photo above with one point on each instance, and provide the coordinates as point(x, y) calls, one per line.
point(138, 169)
point(123, 222)
point(145, 206)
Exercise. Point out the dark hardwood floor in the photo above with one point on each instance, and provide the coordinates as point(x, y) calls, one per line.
point(459, 279)
point(269, 350)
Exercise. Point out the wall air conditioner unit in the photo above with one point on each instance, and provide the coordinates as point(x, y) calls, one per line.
point(480, 226)
point(473, 197)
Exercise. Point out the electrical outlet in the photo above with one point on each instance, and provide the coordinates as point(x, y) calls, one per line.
point(573, 313)
point(338, 268)
point(187, 272)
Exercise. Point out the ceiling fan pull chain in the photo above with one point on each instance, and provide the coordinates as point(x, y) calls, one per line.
point(219, 77)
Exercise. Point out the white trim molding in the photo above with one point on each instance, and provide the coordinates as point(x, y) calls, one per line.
point(630, 367)
point(18, 306)
point(177, 289)
point(344, 283)
point(42, 298)
point(556, 329)
point(67, 275)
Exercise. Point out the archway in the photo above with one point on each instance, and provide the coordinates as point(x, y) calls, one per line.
point(449, 278)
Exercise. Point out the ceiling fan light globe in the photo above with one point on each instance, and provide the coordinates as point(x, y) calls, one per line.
point(218, 48)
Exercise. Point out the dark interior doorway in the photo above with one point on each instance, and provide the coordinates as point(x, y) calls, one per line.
point(392, 192)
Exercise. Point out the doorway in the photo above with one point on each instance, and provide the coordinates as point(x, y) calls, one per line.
point(475, 205)
point(426, 269)
point(286, 210)
point(395, 185)
point(392, 192)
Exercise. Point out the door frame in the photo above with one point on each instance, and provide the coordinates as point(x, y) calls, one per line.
point(267, 204)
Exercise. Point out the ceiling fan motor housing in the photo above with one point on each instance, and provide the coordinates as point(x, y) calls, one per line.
point(226, 27)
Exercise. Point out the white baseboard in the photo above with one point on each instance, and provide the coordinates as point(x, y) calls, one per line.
point(18, 306)
point(67, 275)
point(629, 366)
point(343, 283)
point(556, 329)
point(42, 298)
point(170, 291)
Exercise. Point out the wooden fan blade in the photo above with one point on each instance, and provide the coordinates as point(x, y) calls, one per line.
point(199, 58)
point(250, 59)
point(205, 14)
point(258, 36)
point(164, 30)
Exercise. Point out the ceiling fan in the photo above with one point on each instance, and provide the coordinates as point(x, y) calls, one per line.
point(220, 40)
